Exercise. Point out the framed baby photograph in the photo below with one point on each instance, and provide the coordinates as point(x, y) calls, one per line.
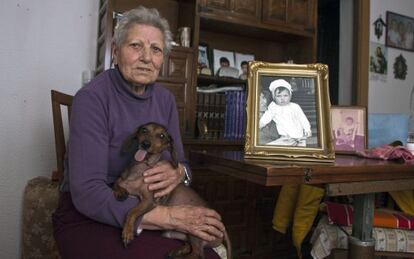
point(400, 31)
point(349, 128)
point(288, 112)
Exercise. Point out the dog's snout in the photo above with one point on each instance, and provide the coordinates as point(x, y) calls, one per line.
point(145, 144)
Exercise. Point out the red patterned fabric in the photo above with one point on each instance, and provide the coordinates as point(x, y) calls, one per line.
point(341, 214)
point(388, 152)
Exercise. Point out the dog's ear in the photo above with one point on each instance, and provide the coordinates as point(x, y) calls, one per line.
point(173, 153)
point(131, 143)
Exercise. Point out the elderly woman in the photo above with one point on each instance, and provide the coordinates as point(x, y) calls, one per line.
point(88, 220)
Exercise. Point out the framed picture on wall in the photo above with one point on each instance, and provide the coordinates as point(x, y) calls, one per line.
point(288, 112)
point(349, 128)
point(400, 31)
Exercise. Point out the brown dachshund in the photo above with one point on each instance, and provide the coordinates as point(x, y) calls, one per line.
point(151, 140)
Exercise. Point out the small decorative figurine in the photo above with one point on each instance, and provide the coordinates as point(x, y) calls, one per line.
point(379, 27)
point(400, 67)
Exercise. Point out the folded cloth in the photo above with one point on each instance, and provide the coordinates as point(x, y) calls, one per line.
point(326, 237)
point(341, 214)
point(388, 152)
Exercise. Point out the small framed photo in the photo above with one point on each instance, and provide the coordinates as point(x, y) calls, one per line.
point(349, 128)
point(288, 115)
point(203, 56)
point(222, 58)
point(242, 63)
point(400, 31)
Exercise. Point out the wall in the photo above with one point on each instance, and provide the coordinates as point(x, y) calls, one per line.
point(391, 95)
point(44, 45)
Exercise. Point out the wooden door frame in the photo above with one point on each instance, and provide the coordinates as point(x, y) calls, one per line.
point(361, 52)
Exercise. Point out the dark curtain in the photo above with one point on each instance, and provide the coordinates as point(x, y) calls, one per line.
point(328, 42)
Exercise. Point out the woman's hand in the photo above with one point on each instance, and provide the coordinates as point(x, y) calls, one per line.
point(198, 221)
point(163, 178)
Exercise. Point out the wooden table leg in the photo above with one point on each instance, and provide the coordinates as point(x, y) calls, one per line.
point(361, 244)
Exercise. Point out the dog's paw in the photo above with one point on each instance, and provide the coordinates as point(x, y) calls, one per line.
point(127, 236)
point(121, 195)
point(181, 252)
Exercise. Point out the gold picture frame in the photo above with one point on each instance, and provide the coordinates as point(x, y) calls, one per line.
point(274, 128)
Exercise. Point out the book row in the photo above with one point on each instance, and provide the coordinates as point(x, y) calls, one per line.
point(221, 115)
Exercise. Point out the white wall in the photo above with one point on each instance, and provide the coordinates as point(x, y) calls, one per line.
point(393, 95)
point(44, 45)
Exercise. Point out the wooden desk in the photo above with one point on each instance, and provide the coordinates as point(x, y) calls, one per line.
point(348, 175)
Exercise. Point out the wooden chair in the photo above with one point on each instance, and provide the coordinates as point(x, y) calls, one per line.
point(60, 99)
point(41, 194)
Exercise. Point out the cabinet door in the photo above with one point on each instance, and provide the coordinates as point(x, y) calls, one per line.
point(274, 12)
point(301, 14)
point(295, 14)
point(216, 4)
point(177, 76)
point(247, 9)
point(243, 10)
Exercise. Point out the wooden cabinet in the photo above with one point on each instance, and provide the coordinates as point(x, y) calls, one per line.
point(277, 15)
point(223, 5)
point(272, 30)
point(296, 14)
point(274, 12)
point(246, 8)
point(177, 75)
point(239, 9)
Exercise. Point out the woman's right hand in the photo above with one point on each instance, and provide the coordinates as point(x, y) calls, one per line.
point(198, 221)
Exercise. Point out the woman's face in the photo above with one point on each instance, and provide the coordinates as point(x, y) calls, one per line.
point(140, 56)
point(282, 97)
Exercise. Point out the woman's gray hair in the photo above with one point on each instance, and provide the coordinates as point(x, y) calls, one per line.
point(146, 16)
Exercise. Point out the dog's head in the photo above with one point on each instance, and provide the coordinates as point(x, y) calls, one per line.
point(150, 139)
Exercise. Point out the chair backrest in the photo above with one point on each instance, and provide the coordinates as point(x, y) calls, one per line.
point(60, 99)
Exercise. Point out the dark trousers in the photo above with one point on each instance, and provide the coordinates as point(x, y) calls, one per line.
point(79, 237)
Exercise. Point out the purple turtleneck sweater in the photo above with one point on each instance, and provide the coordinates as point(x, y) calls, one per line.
point(104, 113)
